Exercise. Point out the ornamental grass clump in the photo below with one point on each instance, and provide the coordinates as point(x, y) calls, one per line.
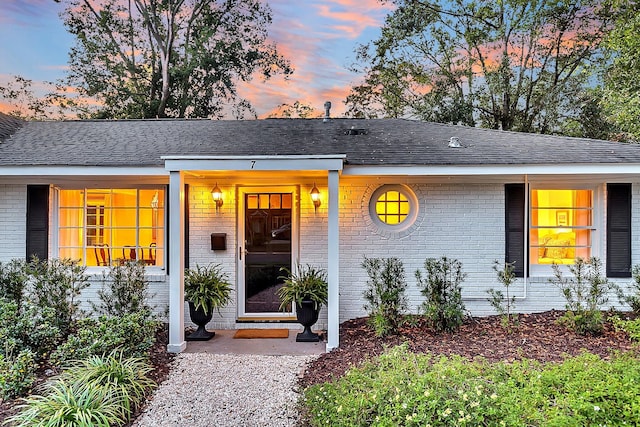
point(385, 294)
point(101, 391)
point(65, 405)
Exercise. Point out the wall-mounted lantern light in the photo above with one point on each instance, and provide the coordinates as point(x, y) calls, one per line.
point(315, 197)
point(216, 193)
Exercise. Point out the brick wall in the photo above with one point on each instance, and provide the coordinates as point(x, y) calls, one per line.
point(13, 223)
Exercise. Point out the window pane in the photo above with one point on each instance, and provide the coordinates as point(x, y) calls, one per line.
point(118, 224)
point(252, 201)
point(560, 225)
point(286, 201)
point(392, 207)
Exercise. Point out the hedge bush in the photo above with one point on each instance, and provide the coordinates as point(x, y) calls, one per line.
point(133, 334)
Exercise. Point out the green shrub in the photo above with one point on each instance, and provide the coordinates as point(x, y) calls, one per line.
point(30, 327)
point(57, 284)
point(133, 334)
point(385, 294)
point(443, 306)
point(400, 388)
point(126, 378)
point(504, 303)
point(632, 297)
point(64, 405)
point(631, 327)
point(13, 277)
point(125, 290)
point(17, 373)
point(585, 293)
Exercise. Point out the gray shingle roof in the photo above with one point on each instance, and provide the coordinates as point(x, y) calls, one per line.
point(384, 142)
point(8, 125)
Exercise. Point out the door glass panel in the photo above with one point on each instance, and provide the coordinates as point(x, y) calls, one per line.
point(268, 249)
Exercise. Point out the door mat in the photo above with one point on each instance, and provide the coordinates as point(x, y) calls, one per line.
point(262, 333)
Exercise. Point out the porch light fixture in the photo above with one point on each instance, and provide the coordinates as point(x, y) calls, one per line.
point(315, 197)
point(216, 193)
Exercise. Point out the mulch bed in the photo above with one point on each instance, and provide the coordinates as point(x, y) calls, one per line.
point(537, 336)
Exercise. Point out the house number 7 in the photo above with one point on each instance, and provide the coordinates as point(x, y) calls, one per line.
point(253, 163)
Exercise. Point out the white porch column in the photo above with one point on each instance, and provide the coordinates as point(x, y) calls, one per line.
point(333, 304)
point(176, 263)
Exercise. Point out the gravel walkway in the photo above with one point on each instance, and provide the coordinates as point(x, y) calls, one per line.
point(205, 390)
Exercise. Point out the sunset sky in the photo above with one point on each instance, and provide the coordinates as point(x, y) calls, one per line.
point(318, 36)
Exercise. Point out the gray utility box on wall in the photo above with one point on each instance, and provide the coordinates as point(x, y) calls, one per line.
point(218, 241)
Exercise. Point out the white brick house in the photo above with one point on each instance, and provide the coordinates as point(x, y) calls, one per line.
point(99, 191)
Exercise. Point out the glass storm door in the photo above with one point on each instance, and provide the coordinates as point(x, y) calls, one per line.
point(267, 230)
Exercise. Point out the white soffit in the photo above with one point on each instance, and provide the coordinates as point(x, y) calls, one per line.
point(257, 163)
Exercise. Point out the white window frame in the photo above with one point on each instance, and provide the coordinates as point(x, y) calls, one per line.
point(413, 207)
point(55, 221)
point(597, 225)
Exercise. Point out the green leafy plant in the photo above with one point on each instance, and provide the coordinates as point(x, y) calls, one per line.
point(13, 277)
point(632, 296)
point(504, 303)
point(57, 284)
point(125, 290)
point(585, 293)
point(631, 327)
point(305, 283)
point(124, 377)
point(64, 405)
point(207, 287)
point(17, 371)
point(30, 327)
point(443, 306)
point(133, 334)
point(385, 294)
point(401, 388)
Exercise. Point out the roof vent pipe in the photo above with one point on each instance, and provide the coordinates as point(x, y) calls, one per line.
point(327, 109)
point(454, 142)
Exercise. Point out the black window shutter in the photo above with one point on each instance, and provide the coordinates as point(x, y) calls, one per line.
point(514, 218)
point(37, 221)
point(618, 230)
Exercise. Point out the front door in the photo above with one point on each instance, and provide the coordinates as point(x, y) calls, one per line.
point(268, 234)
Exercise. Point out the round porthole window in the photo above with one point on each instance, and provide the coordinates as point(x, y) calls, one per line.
point(393, 207)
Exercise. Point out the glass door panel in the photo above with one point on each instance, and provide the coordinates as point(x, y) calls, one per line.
point(268, 220)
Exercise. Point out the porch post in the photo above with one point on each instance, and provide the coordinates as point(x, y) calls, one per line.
point(333, 261)
point(176, 263)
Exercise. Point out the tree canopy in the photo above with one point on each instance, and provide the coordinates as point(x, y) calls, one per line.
point(169, 58)
point(620, 95)
point(518, 65)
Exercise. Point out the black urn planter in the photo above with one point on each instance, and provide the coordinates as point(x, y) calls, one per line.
point(307, 315)
point(200, 318)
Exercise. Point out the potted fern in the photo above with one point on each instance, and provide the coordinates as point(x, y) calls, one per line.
point(307, 289)
point(206, 288)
